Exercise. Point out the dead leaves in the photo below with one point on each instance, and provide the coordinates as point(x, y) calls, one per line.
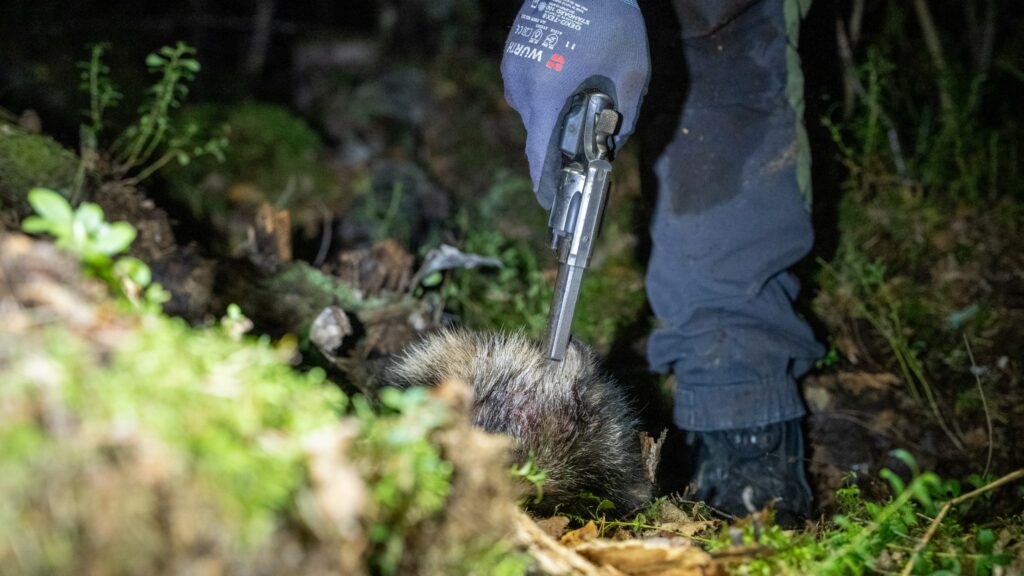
point(665, 549)
point(654, 557)
point(385, 267)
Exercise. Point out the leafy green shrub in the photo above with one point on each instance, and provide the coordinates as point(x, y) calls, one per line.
point(148, 144)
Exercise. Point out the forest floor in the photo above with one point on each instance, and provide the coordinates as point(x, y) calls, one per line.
point(416, 214)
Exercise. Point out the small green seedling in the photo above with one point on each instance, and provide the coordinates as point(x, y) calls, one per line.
point(85, 233)
point(533, 474)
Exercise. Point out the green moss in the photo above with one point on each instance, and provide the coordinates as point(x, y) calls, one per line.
point(612, 299)
point(274, 155)
point(228, 418)
point(309, 281)
point(28, 161)
point(140, 442)
point(514, 297)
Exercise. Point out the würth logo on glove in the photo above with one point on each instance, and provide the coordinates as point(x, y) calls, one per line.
point(525, 51)
point(556, 62)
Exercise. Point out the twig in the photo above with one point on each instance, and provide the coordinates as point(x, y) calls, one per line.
point(934, 46)
point(988, 38)
point(984, 404)
point(934, 526)
point(677, 497)
point(160, 163)
point(856, 19)
point(262, 29)
point(850, 80)
point(982, 35)
point(325, 239)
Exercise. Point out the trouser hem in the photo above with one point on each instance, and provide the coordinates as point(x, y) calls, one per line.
point(706, 408)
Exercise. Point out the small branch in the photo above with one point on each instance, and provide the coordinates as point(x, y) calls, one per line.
point(263, 22)
point(934, 46)
point(984, 405)
point(850, 80)
point(856, 19)
point(325, 239)
point(988, 38)
point(149, 170)
point(681, 499)
point(934, 526)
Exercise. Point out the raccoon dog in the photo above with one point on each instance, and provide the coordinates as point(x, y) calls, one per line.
point(575, 419)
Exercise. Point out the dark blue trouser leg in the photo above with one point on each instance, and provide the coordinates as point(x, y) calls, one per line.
point(730, 219)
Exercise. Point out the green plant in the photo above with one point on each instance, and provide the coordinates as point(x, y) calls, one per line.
point(103, 94)
point(831, 357)
point(869, 537)
point(152, 140)
point(516, 296)
point(905, 133)
point(95, 242)
point(408, 477)
point(532, 474)
point(275, 155)
point(877, 301)
point(234, 323)
point(189, 427)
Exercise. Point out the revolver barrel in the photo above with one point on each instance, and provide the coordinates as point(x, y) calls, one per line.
point(567, 291)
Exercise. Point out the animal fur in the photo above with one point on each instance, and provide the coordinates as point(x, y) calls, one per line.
point(571, 416)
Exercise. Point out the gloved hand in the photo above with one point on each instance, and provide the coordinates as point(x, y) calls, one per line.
point(556, 48)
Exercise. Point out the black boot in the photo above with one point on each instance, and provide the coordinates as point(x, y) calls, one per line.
point(740, 471)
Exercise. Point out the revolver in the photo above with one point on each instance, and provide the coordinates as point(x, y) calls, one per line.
point(586, 147)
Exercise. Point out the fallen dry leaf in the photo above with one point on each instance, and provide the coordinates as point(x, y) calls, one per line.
point(580, 535)
point(818, 399)
point(553, 526)
point(676, 521)
point(688, 529)
point(653, 557)
point(857, 382)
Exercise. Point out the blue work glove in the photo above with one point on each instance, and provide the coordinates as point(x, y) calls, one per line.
point(555, 49)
